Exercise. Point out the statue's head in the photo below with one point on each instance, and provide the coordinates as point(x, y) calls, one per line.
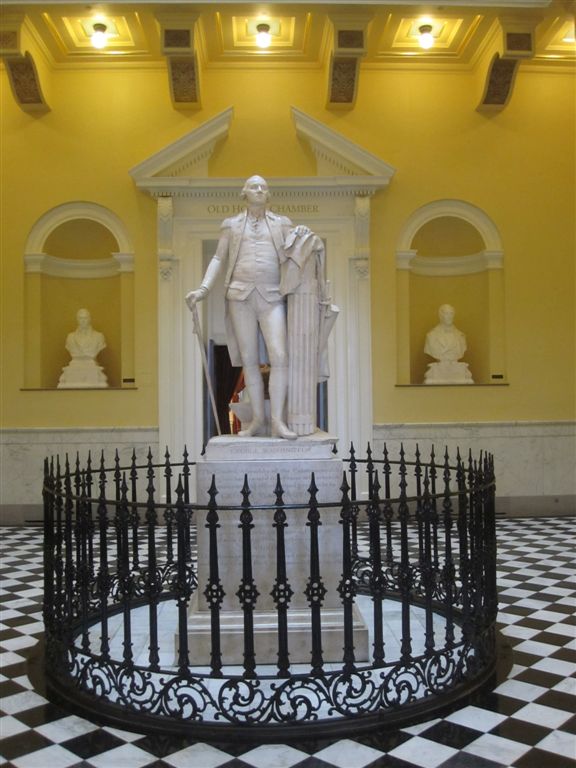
point(83, 318)
point(446, 314)
point(255, 190)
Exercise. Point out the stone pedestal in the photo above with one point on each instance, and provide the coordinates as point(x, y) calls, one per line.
point(261, 459)
point(448, 372)
point(83, 373)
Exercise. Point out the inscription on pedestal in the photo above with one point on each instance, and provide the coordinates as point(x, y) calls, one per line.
point(262, 478)
point(295, 477)
point(239, 459)
point(319, 445)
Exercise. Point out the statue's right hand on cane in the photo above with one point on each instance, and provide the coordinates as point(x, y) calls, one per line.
point(193, 297)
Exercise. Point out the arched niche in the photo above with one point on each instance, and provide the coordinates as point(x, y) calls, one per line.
point(450, 252)
point(78, 255)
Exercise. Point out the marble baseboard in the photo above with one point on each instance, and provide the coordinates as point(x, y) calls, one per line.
point(534, 461)
point(532, 458)
point(536, 506)
point(21, 514)
point(22, 454)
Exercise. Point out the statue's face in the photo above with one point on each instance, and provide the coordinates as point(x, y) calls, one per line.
point(256, 191)
point(446, 314)
point(83, 318)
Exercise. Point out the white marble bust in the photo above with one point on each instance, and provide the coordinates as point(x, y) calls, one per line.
point(446, 344)
point(84, 344)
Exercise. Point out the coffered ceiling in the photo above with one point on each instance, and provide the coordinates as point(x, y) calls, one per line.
point(343, 38)
point(302, 34)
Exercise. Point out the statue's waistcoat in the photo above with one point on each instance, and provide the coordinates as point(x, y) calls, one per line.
point(277, 225)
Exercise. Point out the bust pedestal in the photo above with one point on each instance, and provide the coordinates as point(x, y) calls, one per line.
point(261, 459)
point(448, 372)
point(83, 374)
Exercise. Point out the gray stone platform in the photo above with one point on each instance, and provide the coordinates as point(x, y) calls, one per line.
point(230, 459)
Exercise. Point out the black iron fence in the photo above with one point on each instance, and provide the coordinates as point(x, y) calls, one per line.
point(417, 560)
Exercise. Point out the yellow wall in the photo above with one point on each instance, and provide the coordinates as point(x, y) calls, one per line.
point(517, 165)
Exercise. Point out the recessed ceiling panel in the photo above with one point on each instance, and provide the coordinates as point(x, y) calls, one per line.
point(231, 36)
point(302, 34)
point(72, 32)
point(245, 29)
point(556, 39)
point(455, 36)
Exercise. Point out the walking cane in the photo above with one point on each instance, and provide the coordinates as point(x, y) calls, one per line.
point(197, 331)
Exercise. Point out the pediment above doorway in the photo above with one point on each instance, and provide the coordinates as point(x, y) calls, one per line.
point(187, 156)
point(342, 166)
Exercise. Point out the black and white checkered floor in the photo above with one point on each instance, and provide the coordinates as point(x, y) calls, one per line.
point(528, 721)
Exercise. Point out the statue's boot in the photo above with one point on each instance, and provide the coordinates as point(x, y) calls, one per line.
point(278, 387)
point(255, 387)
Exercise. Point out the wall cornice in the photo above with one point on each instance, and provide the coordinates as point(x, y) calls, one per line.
point(43, 263)
point(438, 266)
point(301, 187)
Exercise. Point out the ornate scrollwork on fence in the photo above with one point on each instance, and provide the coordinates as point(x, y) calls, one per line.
point(427, 555)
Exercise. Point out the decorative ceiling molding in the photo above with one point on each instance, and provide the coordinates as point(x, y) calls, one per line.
point(11, 34)
point(184, 81)
point(20, 65)
point(177, 44)
point(349, 47)
point(457, 3)
point(517, 45)
point(343, 168)
point(499, 83)
point(343, 81)
point(222, 36)
point(25, 83)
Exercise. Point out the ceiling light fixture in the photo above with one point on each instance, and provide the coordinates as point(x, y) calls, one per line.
point(426, 38)
point(263, 36)
point(99, 36)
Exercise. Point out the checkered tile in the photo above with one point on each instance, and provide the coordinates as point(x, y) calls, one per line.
point(528, 721)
